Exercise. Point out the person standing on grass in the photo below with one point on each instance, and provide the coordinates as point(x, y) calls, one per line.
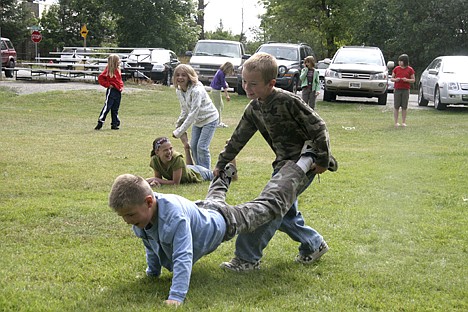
point(219, 83)
point(177, 232)
point(403, 76)
point(170, 167)
point(198, 111)
point(111, 78)
point(285, 123)
point(310, 82)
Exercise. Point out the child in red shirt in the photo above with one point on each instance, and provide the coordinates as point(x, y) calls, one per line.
point(403, 76)
point(111, 78)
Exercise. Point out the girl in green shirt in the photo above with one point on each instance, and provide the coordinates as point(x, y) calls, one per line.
point(170, 167)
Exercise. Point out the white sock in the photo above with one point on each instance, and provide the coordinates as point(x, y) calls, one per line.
point(305, 162)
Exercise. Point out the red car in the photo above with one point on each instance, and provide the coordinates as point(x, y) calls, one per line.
point(8, 56)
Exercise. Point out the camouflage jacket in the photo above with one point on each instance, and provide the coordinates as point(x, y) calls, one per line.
point(285, 122)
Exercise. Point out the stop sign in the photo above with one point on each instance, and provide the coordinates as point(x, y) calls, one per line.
point(36, 36)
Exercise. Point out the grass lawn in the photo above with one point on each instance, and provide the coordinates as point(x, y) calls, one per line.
point(395, 215)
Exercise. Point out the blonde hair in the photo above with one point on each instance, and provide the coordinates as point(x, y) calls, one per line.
point(127, 191)
point(264, 63)
point(188, 70)
point(113, 64)
point(310, 59)
point(227, 68)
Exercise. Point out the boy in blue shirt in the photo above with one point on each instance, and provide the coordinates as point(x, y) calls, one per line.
point(176, 232)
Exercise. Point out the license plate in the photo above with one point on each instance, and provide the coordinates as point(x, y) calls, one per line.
point(355, 85)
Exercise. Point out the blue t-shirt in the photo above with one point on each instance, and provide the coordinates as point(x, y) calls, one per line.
point(182, 234)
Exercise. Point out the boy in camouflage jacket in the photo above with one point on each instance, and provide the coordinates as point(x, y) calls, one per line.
point(285, 122)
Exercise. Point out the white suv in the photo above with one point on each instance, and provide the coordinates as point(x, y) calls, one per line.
point(209, 55)
point(357, 71)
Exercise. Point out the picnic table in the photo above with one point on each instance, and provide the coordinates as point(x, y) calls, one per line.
point(68, 70)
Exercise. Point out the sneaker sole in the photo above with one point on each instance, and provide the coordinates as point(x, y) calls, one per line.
point(315, 258)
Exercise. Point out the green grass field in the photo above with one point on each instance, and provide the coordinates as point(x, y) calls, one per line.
point(395, 215)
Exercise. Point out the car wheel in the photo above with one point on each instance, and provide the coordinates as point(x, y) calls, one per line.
point(294, 86)
point(9, 73)
point(437, 103)
point(240, 90)
point(322, 83)
point(383, 99)
point(329, 96)
point(421, 100)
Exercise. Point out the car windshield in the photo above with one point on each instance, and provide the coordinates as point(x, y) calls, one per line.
point(160, 56)
point(281, 53)
point(322, 65)
point(217, 49)
point(141, 55)
point(358, 56)
point(456, 65)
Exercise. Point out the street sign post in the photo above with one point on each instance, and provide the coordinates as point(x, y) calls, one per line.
point(84, 33)
point(36, 37)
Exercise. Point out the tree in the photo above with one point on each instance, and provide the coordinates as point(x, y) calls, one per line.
point(155, 23)
point(423, 30)
point(220, 33)
point(14, 20)
point(324, 24)
point(200, 17)
point(62, 23)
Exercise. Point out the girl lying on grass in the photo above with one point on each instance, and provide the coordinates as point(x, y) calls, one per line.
point(170, 167)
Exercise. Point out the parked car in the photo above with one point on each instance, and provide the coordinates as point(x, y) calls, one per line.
point(290, 58)
point(357, 71)
point(8, 56)
point(322, 66)
point(159, 64)
point(209, 55)
point(445, 82)
point(74, 55)
point(390, 85)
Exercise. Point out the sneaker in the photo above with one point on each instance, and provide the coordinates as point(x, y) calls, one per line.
point(230, 170)
point(238, 265)
point(114, 128)
point(333, 164)
point(308, 259)
point(98, 126)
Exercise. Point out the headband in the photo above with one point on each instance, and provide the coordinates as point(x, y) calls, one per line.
point(160, 142)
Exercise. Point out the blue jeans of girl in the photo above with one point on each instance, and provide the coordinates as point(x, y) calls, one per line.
point(200, 143)
point(206, 174)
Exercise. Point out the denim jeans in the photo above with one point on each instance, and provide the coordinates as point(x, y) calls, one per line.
point(200, 143)
point(206, 174)
point(249, 246)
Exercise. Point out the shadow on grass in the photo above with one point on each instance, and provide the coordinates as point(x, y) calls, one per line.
point(225, 289)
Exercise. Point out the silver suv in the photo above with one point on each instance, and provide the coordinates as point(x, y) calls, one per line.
point(357, 71)
point(290, 59)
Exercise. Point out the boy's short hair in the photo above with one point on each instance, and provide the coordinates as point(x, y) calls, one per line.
point(404, 58)
point(128, 190)
point(264, 63)
point(187, 69)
